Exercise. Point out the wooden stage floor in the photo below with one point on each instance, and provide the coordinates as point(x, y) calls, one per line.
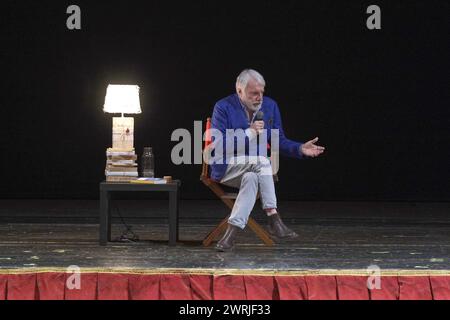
point(332, 235)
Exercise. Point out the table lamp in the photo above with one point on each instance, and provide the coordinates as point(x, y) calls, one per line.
point(122, 99)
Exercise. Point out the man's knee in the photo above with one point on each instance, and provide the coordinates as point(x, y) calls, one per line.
point(249, 178)
point(263, 167)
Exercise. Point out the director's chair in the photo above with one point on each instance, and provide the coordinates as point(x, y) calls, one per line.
point(228, 199)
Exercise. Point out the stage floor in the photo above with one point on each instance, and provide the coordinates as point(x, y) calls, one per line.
point(338, 236)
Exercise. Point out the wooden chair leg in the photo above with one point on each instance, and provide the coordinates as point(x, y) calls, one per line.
point(216, 232)
point(260, 232)
point(255, 226)
point(220, 228)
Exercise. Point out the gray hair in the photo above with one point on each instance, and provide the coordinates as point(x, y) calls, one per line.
point(245, 76)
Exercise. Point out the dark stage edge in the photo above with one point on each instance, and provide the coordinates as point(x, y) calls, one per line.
point(334, 237)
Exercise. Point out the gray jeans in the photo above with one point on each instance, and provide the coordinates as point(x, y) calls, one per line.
point(249, 174)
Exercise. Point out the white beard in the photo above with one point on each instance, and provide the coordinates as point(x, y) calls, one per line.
point(254, 108)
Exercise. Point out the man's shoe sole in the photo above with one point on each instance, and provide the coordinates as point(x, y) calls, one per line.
point(220, 249)
point(289, 236)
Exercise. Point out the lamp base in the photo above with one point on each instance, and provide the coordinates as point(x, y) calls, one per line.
point(123, 133)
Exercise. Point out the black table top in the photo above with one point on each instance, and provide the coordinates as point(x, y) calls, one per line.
point(127, 186)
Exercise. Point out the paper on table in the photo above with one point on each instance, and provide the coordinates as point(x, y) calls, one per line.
point(149, 181)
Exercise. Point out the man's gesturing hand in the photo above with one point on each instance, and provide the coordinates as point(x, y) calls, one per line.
point(310, 149)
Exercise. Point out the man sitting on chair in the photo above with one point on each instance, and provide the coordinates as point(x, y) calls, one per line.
point(238, 111)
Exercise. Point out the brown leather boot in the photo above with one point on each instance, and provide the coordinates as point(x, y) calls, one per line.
point(278, 229)
point(227, 241)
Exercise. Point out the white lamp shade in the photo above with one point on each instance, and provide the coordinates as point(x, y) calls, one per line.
point(122, 99)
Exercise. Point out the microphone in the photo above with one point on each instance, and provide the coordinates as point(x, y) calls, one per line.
point(259, 116)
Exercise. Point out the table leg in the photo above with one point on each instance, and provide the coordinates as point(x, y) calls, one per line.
point(173, 218)
point(105, 217)
point(178, 213)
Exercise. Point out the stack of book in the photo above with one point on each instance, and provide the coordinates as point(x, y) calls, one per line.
point(121, 165)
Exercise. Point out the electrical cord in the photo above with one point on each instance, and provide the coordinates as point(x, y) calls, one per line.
point(128, 234)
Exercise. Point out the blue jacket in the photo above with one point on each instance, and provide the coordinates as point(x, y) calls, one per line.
point(229, 114)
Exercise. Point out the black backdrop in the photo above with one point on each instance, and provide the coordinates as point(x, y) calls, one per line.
point(378, 100)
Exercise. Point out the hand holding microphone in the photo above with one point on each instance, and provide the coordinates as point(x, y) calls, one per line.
point(258, 124)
